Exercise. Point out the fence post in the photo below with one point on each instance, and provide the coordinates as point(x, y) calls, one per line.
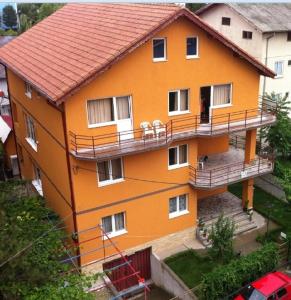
point(259, 164)
point(211, 120)
point(119, 138)
point(93, 145)
point(76, 147)
point(196, 121)
point(171, 129)
point(228, 122)
point(210, 174)
point(261, 116)
point(246, 114)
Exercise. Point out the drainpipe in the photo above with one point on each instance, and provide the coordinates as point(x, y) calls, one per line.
point(266, 59)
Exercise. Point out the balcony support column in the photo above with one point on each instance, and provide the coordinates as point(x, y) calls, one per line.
point(248, 192)
point(250, 146)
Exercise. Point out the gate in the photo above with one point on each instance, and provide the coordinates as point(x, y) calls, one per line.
point(120, 274)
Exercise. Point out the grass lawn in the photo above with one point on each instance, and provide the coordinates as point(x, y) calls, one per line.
point(280, 211)
point(190, 266)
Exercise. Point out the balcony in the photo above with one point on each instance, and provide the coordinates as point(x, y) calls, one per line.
point(116, 144)
point(229, 167)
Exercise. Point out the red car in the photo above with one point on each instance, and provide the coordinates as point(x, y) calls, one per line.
point(274, 286)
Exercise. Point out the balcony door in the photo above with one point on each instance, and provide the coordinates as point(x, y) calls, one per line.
point(124, 117)
point(205, 102)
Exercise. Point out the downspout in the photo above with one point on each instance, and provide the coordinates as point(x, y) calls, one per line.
point(70, 176)
point(13, 130)
point(266, 60)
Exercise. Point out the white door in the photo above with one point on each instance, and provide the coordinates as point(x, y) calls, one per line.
point(14, 165)
point(124, 119)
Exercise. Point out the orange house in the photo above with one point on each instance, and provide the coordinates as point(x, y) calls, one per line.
point(123, 116)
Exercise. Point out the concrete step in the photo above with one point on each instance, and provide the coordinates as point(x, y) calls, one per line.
point(237, 218)
point(247, 227)
point(228, 215)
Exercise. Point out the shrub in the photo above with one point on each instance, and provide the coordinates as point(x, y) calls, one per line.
point(227, 279)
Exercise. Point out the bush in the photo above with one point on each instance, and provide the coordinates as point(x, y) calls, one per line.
point(227, 279)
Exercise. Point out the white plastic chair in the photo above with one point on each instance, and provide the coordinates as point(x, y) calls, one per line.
point(159, 128)
point(147, 129)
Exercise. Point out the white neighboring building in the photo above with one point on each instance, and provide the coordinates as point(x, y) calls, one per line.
point(263, 30)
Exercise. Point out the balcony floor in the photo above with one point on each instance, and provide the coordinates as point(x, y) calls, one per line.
point(133, 146)
point(228, 167)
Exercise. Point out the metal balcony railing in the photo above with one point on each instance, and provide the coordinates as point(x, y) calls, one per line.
point(230, 173)
point(115, 144)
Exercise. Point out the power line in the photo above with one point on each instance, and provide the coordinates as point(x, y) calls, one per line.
point(33, 242)
point(129, 178)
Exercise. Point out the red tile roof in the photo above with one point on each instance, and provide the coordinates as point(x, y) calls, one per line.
point(8, 120)
point(78, 42)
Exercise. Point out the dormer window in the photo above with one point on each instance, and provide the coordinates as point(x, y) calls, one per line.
point(247, 35)
point(159, 49)
point(28, 90)
point(289, 36)
point(225, 21)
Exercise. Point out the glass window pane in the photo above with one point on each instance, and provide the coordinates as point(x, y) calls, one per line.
point(107, 224)
point(103, 170)
point(159, 48)
point(119, 221)
point(191, 46)
point(172, 205)
point(173, 101)
point(184, 100)
point(100, 111)
point(172, 156)
point(182, 202)
point(221, 94)
point(183, 154)
point(123, 108)
point(116, 166)
point(279, 68)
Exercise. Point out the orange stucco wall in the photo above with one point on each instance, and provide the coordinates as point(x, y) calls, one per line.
point(10, 149)
point(148, 185)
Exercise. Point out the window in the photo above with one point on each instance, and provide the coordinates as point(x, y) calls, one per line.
point(114, 225)
point(289, 62)
point(159, 49)
point(178, 102)
point(178, 156)
point(30, 131)
point(28, 90)
point(289, 36)
point(282, 292)
point(248, 35)
point(221, 95)
point(279, 68)
point(178, 206)
point(107, 111)
point(192, 47)
point(225, 21)
point(36, 182)
point(110, 171)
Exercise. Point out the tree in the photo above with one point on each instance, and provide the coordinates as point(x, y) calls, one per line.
point(278, 136)
point(221, 237)
point(47, 9)
point(36, 272)
point(194, 6)
point(9, 16)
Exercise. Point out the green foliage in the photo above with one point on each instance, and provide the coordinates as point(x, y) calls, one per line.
point(227, 279)
point(278, 136)
point(9, 16)
point(32, 13)
point(221, 237)
point(36, 271)
point(283, 172)
point(194, 6)
point(9, 32)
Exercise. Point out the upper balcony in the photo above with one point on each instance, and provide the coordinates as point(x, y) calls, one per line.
point(116, 144)
point(229, 167)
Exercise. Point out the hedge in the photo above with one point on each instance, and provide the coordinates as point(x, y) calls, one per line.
point(225, 280)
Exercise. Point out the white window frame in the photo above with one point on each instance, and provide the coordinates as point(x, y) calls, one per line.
point(111, 180)
point(33, 143)
point(179, 111)
point(115, 232)
point(179, 213)
point(220, 105)
point(280, 75)
point(197, 48)
point(36, 182)
point(28, 90)
point(178, 165)
point(114, 122)
point(165, 50)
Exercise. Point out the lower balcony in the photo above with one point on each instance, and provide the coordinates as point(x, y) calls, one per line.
point(227, 168)
point(134, 141)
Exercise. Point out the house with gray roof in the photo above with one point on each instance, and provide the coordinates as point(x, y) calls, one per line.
point(263, 30)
